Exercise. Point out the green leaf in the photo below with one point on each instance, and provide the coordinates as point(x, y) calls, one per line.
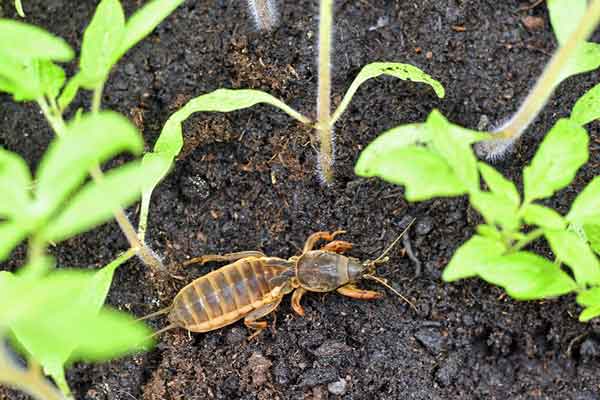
point(586, 206)
point(24, 42)
point(565, 17)
point(29, 300)
point(544, 217)
point(489, 232)
point(15, 185)
point(496, 209)
point(587, 108)
point(589, 313)
point(405, 72)
point(101, 41)
point(454, 150)
point(89, 300)
point(469, 258)
point(424, 173)
point(52, 78)
point(110, 334)
point(19, 8)
point(591, 300)
point(96, 201)
point(89, 141)
point(11, 234)
point(21, 79)
point(575, 252)
point(498, 184)
point(562, 152)
point(527, 276)
point(143, 22)
point(69, 92)
point(389, 142)
point(170, 140)
point(592, 235)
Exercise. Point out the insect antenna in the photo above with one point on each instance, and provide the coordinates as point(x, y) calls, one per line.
point(384, 283)
point(163, 330)
point(381, 257)
point(156, 314)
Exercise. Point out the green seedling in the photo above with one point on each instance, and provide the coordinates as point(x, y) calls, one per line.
point(170, 141)
point(57, 317)
point(573, 22)
point(19, 8)
point(265, 14)
point(440, 154)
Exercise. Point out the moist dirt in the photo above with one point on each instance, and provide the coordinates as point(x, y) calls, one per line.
point(246, 180)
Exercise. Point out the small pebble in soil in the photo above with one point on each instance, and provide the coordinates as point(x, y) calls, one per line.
point(259, 368)
point(423, 226)
point(432, 339)
point(338, 387)
point(589, 349)
point(318, 376)
point(194, 187)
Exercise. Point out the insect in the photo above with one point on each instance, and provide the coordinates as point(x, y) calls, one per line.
point(253, 285)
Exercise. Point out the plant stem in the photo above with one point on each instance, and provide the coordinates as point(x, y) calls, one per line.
point(57, 123)
point(550, 78)
point(530, 237)
point(30, 381)
point(324, 96)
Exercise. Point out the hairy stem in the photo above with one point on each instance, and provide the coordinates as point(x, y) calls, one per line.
point(550, 78)
point(30, 381)
point(265, 13)
point(324, 96)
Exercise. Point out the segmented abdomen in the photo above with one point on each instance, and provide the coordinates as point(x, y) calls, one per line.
point(223, 296)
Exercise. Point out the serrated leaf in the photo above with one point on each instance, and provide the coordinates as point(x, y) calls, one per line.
point(101, 41)
point(496, 209)
point(96, 201)
point(586, 206)
point(454, 150)
point(562, 152)
point(89, 141)
point(25, 42)
point(498, 184)
point(143, 22)
point(527, 276)
point(21, 79)
point(15, 184)
point(574, 252)
point(587, 108)
point(424, 173)
point(469, 257)
point(405, 72)
point(544, 217)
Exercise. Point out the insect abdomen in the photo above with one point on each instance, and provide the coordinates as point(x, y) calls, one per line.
point(223, 296)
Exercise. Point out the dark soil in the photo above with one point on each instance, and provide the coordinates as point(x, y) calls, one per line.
point(246, 180)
